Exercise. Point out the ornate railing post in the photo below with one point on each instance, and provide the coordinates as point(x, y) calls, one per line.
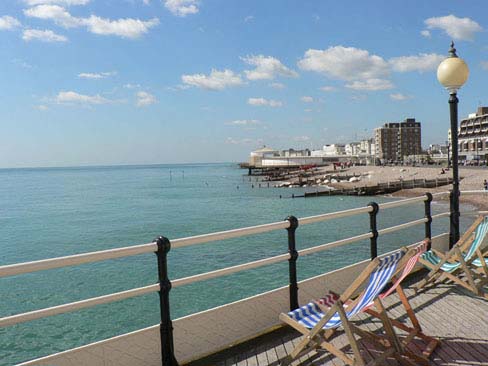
point(166, 326)
point(428, 216)
point(292, 262)
point(374, 229)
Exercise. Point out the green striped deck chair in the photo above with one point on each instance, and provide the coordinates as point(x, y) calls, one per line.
point(318, 322)
point(458, 264)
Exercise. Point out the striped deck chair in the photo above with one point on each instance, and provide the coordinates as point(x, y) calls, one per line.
point(415, 331)
point(318, 322)
point(457, 264)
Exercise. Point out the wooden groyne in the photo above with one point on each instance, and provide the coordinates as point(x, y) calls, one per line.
point(383, 188)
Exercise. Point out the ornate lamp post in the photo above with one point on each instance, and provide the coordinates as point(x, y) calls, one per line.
point(452, 73)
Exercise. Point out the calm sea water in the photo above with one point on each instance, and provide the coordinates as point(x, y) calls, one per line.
point(56, 212)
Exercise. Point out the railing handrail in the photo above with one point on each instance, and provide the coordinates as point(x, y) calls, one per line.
point(10, 270)
point(96, 256)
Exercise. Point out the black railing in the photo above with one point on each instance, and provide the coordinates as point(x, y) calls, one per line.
point(292, 262)
point(166, 325)
point(161, 246)
point(373, 226)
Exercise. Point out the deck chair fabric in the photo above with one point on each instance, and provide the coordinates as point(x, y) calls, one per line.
point(414, 331)
point(461, 260)
point(318, 322)
point(311, 314)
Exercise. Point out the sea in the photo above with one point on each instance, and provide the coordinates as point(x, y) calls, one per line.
point(51, 212)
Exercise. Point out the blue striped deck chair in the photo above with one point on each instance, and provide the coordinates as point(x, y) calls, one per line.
point(458, 264)
point(318, 322)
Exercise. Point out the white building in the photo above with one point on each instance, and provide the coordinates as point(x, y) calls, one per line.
point(257, 156)
point(330, 150)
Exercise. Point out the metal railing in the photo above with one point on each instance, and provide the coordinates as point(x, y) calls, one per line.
point(161, 246)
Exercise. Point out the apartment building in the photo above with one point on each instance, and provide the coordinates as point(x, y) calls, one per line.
point(473, 136)
point(396, 140)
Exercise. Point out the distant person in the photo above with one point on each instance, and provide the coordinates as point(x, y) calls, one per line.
point(443, 171)
point(485, 185)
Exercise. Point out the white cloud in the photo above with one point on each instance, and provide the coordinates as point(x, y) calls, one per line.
point(42, 107)
point(22, 63)
point(400, 96)
point(243, 122)
point(422, 62)
point(426, 33)
point(306, 99)
point(267, 68)
point(277, 85)
point(42, 35)
point(249, 18)
point(56, 13)
point(328, 88)
point(132, 86)
point(484, 65)
point(245, 141)
point(264, 102)
point(96, 76)
point(301, 138)
point(125, 28)
point(71, 97)
point(371, 84)
point(144, 99)
point(59, 2)
point(8, 23)
point(344, 63)
point(182, 8)
point(217, 80)
point(456, 28)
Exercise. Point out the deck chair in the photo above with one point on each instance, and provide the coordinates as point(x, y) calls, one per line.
point(414, 331)
point(457, 264)
point(318, 322)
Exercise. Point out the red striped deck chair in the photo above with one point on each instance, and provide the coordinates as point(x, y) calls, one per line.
point(318, 322)
point(415, 330)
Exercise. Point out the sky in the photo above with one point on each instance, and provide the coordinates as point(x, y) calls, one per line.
point(99, 82)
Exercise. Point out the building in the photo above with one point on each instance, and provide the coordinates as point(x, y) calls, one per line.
point(292, 153)
point(257, 156)
point(473, 136)
point(396, 140)
point(269, 158)
point(330, 150)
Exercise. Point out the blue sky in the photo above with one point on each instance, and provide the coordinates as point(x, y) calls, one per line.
point(166, 81)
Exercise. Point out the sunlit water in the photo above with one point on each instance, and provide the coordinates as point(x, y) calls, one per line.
point(56, 212)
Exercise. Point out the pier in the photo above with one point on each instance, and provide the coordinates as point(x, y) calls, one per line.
point(217, 331)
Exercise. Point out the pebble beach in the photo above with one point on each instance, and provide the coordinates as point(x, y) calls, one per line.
point(472, 179)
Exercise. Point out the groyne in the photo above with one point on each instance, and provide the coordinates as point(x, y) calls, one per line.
point(382, 188)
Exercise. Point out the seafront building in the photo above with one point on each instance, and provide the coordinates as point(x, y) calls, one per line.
point(395, 141)
point(473, 136)
point(269, 158)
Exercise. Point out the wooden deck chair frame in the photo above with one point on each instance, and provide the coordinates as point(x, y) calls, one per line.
point(319, 338)
point(415, 331)
point(466, 268)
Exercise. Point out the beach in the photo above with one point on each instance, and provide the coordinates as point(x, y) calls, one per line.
point(472, 179)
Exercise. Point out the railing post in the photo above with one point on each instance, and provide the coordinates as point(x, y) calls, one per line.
point(374, 229)
point(166, 326)
point(292, 262)
point(428, 216)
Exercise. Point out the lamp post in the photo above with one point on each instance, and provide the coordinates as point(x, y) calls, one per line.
point(448, 144)
point(452, 73)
